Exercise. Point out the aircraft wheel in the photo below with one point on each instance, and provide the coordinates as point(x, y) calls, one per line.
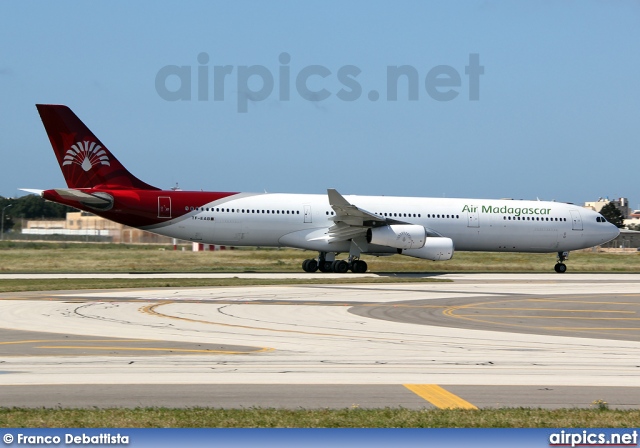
point(359, 267)
point(310, 265)
point(340, 266)
point(560, 268)
point(325, 266)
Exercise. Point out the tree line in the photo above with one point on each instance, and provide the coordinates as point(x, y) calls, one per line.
point(30, 207)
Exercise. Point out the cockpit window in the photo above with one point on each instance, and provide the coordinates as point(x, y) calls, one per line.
point(601, 218)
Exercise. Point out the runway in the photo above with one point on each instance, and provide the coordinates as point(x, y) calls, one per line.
point(479, 340)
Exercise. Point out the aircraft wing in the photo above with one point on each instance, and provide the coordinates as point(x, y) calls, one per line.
point(350, 220)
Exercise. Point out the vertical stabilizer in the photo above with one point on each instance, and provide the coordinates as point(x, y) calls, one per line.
point(84, 160)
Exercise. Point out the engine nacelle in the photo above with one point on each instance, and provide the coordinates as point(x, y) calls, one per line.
point(400, 236)
point(436, 249)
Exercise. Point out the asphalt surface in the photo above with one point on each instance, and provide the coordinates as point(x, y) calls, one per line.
point(494, 340)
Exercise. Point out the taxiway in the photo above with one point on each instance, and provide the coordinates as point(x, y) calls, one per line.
point(480, 340)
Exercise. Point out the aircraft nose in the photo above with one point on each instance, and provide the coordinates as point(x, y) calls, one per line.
point(614, 232)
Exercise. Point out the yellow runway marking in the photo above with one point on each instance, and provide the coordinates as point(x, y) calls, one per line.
point(495, 308)
point(120, 348)
point(152, 311)
point(583, 301)
point(515, 316)
point(42, 341)
point(439, 397)
point(468, 312)
point(158, 349)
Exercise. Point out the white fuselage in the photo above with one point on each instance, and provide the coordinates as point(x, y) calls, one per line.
point(300, 220)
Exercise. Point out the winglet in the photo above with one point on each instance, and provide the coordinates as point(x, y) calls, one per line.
point(336, 198)
point(349, 213)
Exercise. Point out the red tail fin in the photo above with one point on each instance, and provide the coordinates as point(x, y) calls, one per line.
point(84, 160)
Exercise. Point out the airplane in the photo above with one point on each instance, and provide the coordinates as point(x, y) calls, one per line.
point(330, 224)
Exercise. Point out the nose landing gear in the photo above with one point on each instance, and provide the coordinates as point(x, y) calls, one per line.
point(560, 267)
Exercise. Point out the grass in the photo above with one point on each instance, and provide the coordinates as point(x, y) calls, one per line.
point(324, 418)
point(13, 285)
point(20, 257)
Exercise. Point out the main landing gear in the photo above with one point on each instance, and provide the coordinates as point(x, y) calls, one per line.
point(326, 262)
point(560, 267)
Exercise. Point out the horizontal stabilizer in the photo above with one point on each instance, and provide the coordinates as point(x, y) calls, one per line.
point(80, 196)
point(32, 191)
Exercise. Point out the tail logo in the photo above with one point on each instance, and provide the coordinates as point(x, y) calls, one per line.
point(86, 154)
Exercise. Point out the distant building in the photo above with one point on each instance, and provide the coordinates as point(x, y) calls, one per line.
point(621, 204)
point(88, 224)
point(633, 222)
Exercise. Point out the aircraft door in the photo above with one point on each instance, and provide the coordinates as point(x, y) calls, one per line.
point(576, 220)
point(307, 213)
point(473, 220)
point(164, 207)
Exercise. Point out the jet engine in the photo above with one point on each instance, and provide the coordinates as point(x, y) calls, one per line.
point(400, 236)
point(436, 249)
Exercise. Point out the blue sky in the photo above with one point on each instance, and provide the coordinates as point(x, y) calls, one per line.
point(556, 115)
